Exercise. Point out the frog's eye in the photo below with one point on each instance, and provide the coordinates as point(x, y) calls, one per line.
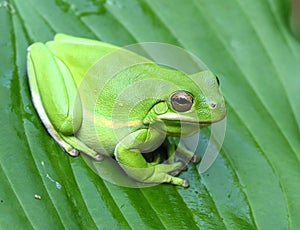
point(181, 101)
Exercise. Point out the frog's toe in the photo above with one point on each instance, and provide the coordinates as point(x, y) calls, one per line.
point(98, 157)
point(195, 159)
point(185, 183)
point(179, 181)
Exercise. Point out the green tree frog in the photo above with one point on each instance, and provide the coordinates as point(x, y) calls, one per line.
point(92, 103)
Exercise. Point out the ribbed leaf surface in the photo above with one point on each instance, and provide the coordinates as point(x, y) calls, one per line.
point(255, 181)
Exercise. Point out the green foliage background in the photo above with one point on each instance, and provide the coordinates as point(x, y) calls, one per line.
point(255, 182)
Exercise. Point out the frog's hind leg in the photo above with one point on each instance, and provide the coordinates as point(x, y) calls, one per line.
point(55, 89)
point(54, 94)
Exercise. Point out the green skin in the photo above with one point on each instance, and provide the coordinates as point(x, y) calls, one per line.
point(122, 121)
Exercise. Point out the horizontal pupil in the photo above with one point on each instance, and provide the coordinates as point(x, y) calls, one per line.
point(182, 100)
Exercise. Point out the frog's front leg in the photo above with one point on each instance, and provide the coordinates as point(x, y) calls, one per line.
point(128, 154)
point(54, 94)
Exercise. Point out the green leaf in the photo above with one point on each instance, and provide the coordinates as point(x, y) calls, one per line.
point(255, 181)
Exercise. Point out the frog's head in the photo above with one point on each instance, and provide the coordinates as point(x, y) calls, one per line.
point(193, 100)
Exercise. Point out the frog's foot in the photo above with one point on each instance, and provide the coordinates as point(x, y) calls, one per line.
point(189, 155)
point(164, 173)
point(79, 147)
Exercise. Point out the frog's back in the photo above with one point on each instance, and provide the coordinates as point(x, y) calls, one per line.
point(74, 50)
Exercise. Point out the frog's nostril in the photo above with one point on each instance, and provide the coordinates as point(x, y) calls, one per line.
point(213, 105)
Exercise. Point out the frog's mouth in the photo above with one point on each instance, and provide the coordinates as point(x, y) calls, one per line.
point(187, 119)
